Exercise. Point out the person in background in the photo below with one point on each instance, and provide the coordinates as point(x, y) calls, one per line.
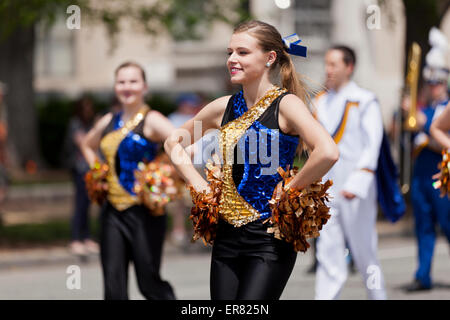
point(440, 128)
point(81, 122)
point(429, 208)
point(188, 105)
point(129, 230)
point(352, 116)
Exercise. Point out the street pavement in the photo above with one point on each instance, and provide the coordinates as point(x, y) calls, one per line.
point(46, 274)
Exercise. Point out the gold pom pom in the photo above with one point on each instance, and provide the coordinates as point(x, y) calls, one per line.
point(157, 183)
point(96, 184)
point(298, 215)
point(205, 212)
point(444, 175)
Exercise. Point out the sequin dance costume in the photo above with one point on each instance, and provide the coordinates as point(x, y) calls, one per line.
point(128, 230)
point(247, 262)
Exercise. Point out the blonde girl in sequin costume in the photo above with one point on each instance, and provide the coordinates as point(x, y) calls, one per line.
point(128, 230)
point(247, 261)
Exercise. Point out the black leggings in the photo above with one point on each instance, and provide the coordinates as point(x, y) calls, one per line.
point(249, 264)
point(133, 235)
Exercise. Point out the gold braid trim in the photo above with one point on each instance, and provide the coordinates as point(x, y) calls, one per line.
point(120, 198)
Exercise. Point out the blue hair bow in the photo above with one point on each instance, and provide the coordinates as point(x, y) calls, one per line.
point(291, 43)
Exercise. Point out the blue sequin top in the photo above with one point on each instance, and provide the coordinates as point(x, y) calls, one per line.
point(133, 149)
point(255, 166)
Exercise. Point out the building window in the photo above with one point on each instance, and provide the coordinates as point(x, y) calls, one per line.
point(55, 46)
point(313, 18)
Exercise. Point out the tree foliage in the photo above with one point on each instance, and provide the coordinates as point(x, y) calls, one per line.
point(180, 18)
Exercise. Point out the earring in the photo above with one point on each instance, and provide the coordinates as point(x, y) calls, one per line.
point(268, 64)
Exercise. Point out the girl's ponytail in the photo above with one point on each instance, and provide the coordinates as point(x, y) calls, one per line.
point(290, 78)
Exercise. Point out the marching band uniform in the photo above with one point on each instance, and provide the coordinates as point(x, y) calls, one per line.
point(128, 229)
point(429, 207)
point(352, 116)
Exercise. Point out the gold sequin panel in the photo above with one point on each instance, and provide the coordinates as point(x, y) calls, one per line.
point(120, 198)
point(232, 207)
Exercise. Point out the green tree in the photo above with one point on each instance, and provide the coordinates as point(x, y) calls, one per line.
point(19, 18)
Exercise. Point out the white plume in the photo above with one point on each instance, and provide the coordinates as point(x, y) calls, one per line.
point(437, 56)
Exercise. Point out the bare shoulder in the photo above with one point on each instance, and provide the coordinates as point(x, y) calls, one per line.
point(155, 115)
point(291, 103)
point(157, 126)
point(94, 135)
point(212, 113)
point(293, 114)
point(103, 122)
point(218, 105)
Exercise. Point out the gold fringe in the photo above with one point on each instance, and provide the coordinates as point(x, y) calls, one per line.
point(156, 184)
point(205, 212)
point(298, 215)
point(96, 183)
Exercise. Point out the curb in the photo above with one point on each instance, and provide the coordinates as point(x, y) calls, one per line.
point(39, 191)
point(11, 259)
point(22, 258)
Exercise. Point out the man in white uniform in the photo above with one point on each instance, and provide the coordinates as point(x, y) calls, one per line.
point(352, 116)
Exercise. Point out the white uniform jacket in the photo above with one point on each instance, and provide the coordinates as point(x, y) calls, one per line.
point(353, 117)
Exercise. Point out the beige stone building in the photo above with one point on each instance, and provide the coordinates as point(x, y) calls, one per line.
point(75, 61)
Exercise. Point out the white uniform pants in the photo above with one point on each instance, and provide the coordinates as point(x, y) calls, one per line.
point(353, 221)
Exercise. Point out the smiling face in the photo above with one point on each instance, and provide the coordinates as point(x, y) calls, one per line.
point(246, 60)
point(130, 86)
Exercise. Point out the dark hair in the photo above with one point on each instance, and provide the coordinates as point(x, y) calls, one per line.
point(348, 53)
point(79, 109)
point(270, 40)
point(131, 64)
